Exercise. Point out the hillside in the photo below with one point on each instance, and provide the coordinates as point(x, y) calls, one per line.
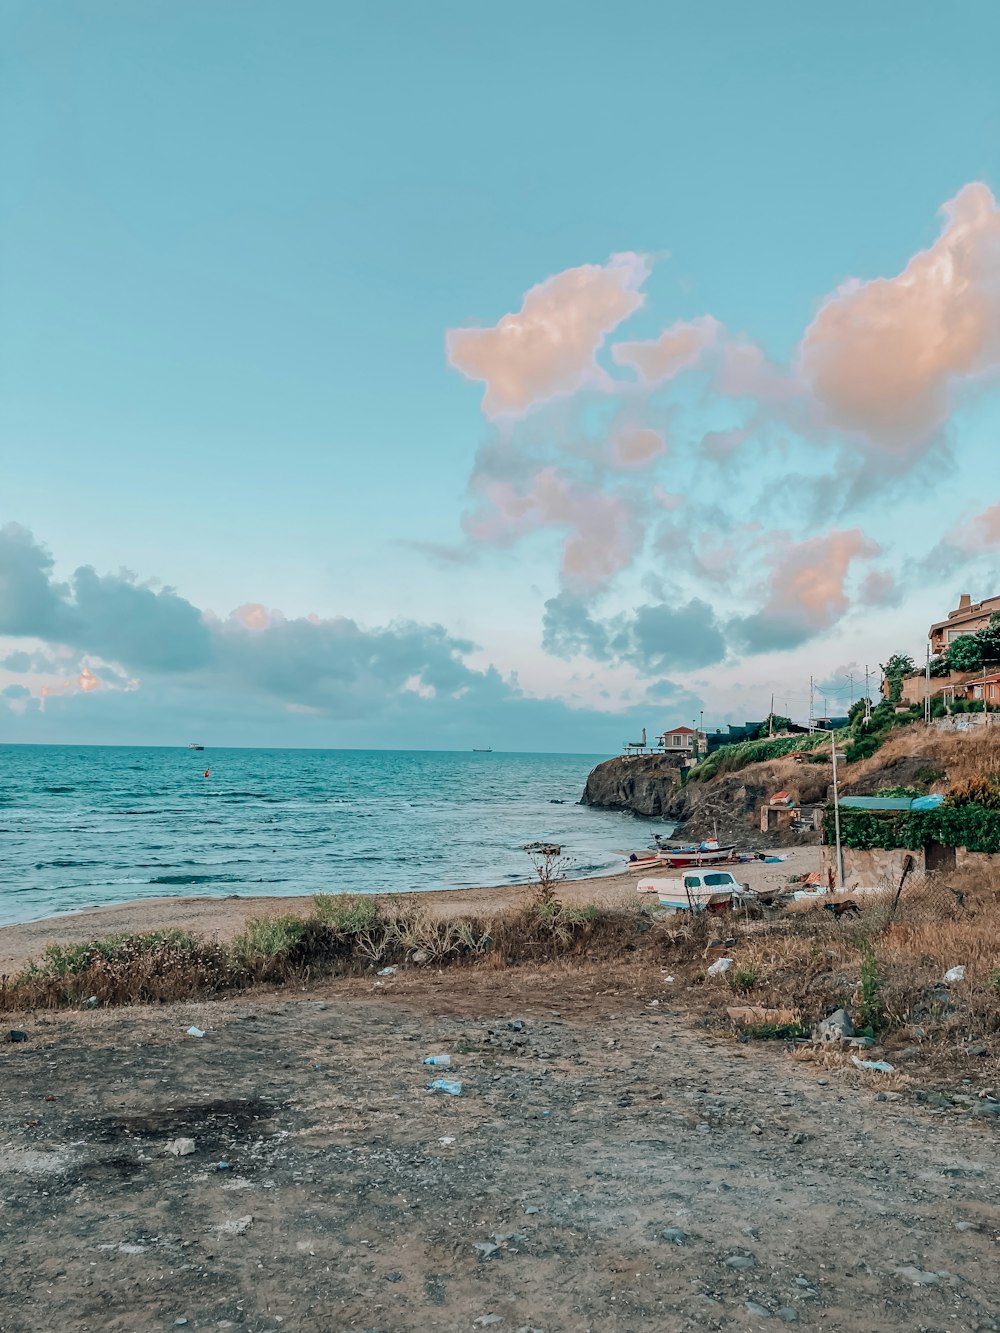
point(727, 804)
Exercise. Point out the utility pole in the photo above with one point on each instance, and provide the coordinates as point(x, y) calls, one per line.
point(850, 677)
point(868, 699)
point(810, 704)
point(836, 812)
point(927, 687)
point(770, 717)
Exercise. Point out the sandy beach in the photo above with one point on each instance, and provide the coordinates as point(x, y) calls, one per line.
point(223, 918)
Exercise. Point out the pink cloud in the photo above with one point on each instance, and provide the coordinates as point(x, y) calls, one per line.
point(549, 347)
point(603, 532)
point(746, 372)
point(677, 348)
point(882, 356)
point(879, 588)
point(807, 589)
point(637, 447)
point(980, 533)
point(251, 615)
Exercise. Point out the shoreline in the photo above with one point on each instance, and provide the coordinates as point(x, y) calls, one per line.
point(222, 918)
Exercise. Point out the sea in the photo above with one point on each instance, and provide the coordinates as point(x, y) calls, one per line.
point(88, 826)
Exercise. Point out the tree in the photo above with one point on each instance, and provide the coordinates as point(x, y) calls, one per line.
point(965, 653)
point(939, 666)
point(988, 639)
point(780, 724)
point(898, 667)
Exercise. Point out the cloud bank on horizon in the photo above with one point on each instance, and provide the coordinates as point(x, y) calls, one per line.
point(712, 505)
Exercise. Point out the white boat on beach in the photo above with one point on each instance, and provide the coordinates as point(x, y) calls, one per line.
point(708, 891)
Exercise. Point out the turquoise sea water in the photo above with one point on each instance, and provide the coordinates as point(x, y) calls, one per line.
point(83, 826)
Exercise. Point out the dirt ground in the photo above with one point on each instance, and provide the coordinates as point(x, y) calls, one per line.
point(606, 1167)
point(222, 918)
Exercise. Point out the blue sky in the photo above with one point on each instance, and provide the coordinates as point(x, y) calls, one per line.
point(235, 236)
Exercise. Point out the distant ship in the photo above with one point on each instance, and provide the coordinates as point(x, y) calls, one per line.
point(488, 750)
point(193, 746)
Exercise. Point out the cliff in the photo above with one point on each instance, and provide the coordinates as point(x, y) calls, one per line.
point(644, 784)
point(727, 807)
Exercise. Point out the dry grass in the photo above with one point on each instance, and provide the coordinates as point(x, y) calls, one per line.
point(961, 755)
point(343, 936)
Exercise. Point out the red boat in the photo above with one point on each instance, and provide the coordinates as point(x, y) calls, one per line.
point(705, 854)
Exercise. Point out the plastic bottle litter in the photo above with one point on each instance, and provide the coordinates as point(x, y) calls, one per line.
point(195, 1032)
point(441, 1061)
point(719, 966)
point(955, 974)
point(386, 972)
point(881, 1066)
point(451, 1086)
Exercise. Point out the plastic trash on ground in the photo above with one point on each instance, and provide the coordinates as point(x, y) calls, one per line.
point(719, 966)
point(881, 1066)
point(386, 972)
point(442, 1061)
point(195, 1032)
point(451, 1086)
point(955, 974)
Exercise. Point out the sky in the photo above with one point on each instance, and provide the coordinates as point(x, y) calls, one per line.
point(454, 375)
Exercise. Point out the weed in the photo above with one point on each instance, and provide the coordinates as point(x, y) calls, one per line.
point(348, 912)
point(871, 987)
point(744, 978)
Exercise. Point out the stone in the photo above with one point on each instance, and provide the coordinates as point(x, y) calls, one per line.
point(236, 1226)
point(420, 956)
point(15, 1034)
point(986, 1108)
point(968, 1226)
point(394, 1276)
point(674, 1235)
point(486, 1249)
point(917, 1277)
point(531, 1210)
point(758, 1310)
point(180, 1147)
point(487, 1320)
point(788, 1314)
point(834, 1028)
point(740, 1262)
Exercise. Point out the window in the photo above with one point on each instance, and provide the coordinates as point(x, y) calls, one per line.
point(692, 881)
point(715, 880)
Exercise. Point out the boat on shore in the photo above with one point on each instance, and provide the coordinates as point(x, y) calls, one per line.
point(706, 853)
point(711, 892)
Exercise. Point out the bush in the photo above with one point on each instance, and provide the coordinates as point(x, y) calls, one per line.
point(975, 791)
point(348, 912)
point(267, 938)
point(864, 747)
point(731, 758)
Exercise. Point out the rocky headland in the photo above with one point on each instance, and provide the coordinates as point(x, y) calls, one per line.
point(727, 807)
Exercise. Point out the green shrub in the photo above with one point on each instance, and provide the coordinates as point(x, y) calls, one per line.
point(744, 978)
point(348, 912)
point(268, 937)
point(72, 960)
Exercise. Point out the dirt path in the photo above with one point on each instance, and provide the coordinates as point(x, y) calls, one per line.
point(605, 1168)
point(223, 918)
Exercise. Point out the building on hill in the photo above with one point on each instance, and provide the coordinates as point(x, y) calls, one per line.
point(682, 740)
point(967, 618)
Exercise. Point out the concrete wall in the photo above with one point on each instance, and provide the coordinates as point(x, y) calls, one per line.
point(867, 869)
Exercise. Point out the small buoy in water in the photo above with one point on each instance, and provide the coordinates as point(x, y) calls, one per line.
point(207, 772)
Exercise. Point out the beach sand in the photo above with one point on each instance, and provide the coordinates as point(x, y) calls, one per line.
point(224, 918)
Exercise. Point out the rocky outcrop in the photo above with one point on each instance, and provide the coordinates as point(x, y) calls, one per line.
point(643, 784)
point(726, 807)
